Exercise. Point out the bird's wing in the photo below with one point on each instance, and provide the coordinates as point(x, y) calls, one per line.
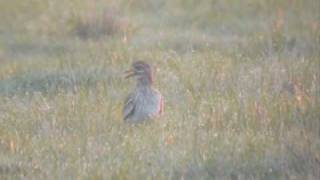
point(128, 108)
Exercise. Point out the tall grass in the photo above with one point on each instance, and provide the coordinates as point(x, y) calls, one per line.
point(240, 81)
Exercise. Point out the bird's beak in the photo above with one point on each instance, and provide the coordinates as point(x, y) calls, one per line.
point(129, 73)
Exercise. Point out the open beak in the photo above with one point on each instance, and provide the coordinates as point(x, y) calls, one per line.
point(129, 73)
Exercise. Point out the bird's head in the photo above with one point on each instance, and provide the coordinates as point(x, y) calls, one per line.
point(142, 72)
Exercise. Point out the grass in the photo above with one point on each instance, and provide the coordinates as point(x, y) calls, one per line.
point(240, 81)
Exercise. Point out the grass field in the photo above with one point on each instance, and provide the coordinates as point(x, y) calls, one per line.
point(241, 81)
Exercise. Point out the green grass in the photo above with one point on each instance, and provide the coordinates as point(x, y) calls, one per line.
point(240, 81)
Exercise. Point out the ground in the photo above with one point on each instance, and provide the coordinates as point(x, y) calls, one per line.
point(240, 81)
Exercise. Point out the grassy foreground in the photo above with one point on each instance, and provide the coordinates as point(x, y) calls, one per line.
point(241, 81)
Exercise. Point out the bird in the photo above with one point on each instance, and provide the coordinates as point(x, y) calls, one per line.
point(144, 102)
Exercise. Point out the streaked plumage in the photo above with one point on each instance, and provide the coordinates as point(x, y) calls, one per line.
point(144, 102)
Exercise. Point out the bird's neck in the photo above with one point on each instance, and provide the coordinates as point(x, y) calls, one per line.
point(145, 82)
point(144, 86)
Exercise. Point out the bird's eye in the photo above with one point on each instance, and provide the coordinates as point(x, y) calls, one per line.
point(139, 68)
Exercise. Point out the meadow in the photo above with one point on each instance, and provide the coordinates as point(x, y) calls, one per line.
point(241, 82)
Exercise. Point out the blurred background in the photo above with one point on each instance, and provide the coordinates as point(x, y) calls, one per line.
point(240, 81)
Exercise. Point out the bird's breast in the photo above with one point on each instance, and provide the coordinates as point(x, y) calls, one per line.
point(147, 104)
